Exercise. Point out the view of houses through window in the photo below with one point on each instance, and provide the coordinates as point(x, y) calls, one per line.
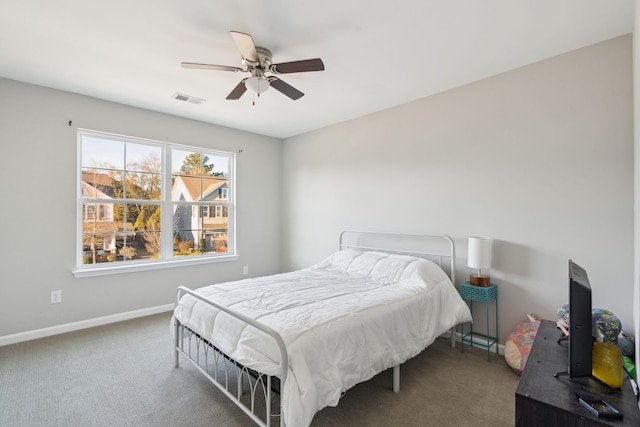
point(124, 197)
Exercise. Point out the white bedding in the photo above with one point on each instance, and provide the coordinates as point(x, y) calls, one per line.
point(343, 320)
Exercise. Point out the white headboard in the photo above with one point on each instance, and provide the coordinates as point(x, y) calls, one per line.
point(438, 248)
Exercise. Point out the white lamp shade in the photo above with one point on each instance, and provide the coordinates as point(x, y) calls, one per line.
point(479, 252)
point(257, 84)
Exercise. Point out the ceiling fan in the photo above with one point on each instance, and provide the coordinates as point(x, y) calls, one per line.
point(257, 61)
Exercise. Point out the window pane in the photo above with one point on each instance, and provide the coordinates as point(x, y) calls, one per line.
point(196, 233)
point(99, 217)
point(97, 212)
point(186, 188)
point(126, 247)
point(147, 232)
point(183, 242)
point(191, 163)
point(143, 186)
point(144, 168)
point(185, 221)
point(102, 153)
point(218, 241)
point(93, 251)
point(220, 165)
point(143, 157)
point(213, 188)
point(199, 241)
point(191, 188)
point(186, 242)
point(118, 184)
point(190, 223)
point(103, 228)
point(114, 240)
point(100, 184)
point(217, 219)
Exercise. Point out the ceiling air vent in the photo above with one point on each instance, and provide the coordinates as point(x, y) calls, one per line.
point(187, 98)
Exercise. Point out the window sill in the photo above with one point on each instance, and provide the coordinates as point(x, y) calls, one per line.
point(148, 266)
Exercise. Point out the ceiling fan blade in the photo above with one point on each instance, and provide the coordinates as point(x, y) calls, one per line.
point(238, 91)
point(245, 45)
point(315, 64)
point(210, 67)
point(285, 88)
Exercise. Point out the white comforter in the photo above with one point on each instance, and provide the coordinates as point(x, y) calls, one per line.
point(343, 320)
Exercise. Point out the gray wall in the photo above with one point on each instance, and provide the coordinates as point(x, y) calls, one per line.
point(539, 158)
point(38, 216)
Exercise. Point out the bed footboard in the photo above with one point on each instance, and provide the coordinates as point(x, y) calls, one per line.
point(253, 392)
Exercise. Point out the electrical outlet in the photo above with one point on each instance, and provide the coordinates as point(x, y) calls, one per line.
point(56, 297)
point(245, 269)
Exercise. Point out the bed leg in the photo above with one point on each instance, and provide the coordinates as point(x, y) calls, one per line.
point(176, 341)
point(396, 378)
point(453, 337)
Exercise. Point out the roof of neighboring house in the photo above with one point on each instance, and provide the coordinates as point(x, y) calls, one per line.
point(90, 191)
point(99, 181)
point(192, 184)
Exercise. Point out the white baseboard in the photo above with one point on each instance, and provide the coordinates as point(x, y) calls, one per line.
point(83, 324)
point(105, 320)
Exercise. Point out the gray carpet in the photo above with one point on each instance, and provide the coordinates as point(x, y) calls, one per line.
point(123, 375)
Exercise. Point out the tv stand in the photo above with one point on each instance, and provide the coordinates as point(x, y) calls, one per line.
point(546, 399)
point(606, 386)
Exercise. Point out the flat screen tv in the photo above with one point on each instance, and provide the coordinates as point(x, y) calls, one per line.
point(580, 332)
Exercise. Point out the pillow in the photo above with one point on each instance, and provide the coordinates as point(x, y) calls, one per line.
point(386, 268)
point(428, 271)
point(340, 260)
point(518, 345)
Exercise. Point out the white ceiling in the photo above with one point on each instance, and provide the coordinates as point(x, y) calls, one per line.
point(377, 53)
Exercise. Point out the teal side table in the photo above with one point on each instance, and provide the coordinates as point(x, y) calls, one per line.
point(486, 295)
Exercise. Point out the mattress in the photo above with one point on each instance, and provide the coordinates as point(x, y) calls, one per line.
point(343, 320)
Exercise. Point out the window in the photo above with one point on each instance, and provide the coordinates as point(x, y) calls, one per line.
point(147, 203)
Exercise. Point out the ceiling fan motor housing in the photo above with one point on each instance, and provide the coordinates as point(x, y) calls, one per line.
point(264, 60)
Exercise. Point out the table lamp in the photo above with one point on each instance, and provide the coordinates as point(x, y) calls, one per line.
point(479, 257)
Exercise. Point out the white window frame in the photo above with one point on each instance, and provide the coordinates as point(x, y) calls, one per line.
point(167, 258)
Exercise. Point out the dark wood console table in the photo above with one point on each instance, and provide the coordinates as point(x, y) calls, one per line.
point(543, 400)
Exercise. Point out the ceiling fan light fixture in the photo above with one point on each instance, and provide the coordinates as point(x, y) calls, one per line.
point(257, 84)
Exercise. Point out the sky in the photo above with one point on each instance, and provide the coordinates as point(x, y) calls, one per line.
point(111, 152)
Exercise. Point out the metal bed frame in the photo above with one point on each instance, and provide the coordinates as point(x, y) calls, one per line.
point(234, 379)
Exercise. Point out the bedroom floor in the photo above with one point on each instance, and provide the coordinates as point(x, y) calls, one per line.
point(123, 375)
